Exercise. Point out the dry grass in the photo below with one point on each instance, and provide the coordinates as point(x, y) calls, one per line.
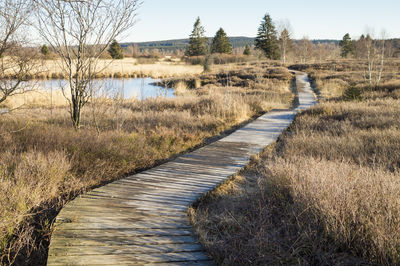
point(326, 193)
point(45, 162)
point(35, 98)
point(124, 68)
point(128, 67)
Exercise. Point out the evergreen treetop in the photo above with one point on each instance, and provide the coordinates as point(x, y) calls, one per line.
point(266, 39)
point(347, 46)
point(247, 50)
point(197, 41)
point(221, 43)
point(45, 50)
point(115, 50)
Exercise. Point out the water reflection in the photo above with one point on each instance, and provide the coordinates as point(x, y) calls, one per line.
point(139, 88)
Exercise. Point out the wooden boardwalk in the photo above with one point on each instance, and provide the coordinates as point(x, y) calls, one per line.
point(142, 219)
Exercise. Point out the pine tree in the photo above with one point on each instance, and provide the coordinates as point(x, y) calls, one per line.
point(45, 50)
point(347, 46)
point(247, 50)
point(197, 41)
point(266, 39)
point(115, 50)
point(221, 43)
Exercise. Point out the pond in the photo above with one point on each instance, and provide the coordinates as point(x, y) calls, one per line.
point(139, 88)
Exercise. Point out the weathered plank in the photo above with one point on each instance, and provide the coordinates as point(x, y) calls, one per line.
point(62, 241)
point(87, 224)
point(109, 250)
point(132, 259)
point(142, 219)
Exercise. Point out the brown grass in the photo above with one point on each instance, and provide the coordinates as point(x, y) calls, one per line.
point(326, 193)
point(35, 98)
point(45, 162)
point(124, 68)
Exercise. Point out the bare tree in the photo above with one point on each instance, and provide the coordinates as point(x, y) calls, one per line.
point(304, 49)
point(360, 49)
point(17, 61)
point(285, 41)
point(325, 51)
point(79, 32)
point(321, 52)
point(133, 50)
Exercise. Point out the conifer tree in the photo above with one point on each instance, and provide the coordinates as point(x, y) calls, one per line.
point(221, 43)
point(347, 46)
point(115, 50)
point(247, 50)
point(45, 50)
point(266, 39)
point(197, 41)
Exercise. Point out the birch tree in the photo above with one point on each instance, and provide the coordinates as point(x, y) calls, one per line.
point(285, 42)
point(381, 47)
point(374, 52)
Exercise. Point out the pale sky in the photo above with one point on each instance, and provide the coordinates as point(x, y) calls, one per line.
point(316, 19)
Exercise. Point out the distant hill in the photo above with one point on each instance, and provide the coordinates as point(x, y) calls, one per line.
point(325, 41)
point(181, 43)
point(171, 45)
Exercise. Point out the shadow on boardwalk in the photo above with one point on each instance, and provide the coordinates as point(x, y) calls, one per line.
point(142, 218)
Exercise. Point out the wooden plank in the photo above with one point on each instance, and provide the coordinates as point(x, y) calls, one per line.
point(112, 224)
point(162, 192)
point(112, 195)
point(132, 207)
point(147, 201)
point(120, 240)
point(127, 232)
point(106, 202)
point(167, 180)
point(182, 175)
point(132, 249)
point(128, 259)
point(172, 186)
point(177, 186)
point(77, 216)
point(162, 182)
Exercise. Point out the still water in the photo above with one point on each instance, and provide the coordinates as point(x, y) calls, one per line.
point(139, 88)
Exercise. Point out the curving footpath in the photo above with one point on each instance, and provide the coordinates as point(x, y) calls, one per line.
point(142, 219)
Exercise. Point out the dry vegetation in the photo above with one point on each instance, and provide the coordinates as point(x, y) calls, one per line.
point(35, 98)
point(327, 192)
point(45, 162)
point(124, 68)
point(129, 67)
